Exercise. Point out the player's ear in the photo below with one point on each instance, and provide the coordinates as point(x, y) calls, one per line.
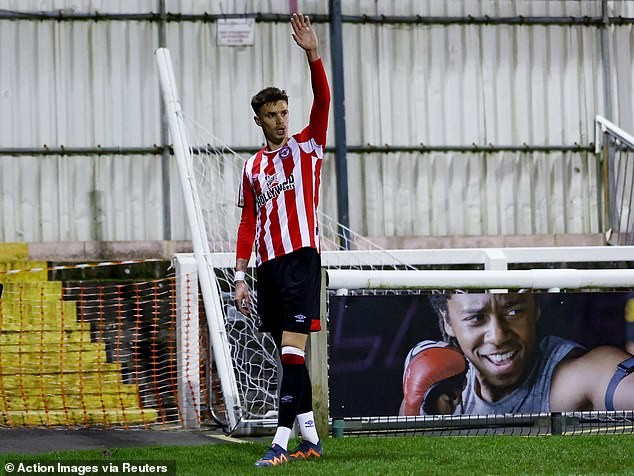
point(257, 121)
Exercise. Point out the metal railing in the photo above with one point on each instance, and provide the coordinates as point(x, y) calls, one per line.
point(617, 149)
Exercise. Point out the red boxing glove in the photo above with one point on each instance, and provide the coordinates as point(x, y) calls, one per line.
point(432, 368)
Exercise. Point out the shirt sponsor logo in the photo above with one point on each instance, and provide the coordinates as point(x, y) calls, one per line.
point(273, 191)
point(270, 180)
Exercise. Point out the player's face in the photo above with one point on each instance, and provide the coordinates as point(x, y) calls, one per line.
point(273, 119)
point(496, 332)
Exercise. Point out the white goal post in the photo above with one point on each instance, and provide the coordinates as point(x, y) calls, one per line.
point(209, 285)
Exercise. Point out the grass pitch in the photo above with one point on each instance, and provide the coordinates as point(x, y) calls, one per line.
point(424, 455)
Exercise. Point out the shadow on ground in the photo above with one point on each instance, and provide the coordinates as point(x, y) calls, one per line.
point(34, 441)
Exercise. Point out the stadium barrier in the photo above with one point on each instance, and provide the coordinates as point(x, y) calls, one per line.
point(137, 354)
point(493, 263)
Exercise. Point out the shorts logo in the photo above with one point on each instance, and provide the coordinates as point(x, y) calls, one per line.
point(285, 152)
point(286, 399)
point(309, 424)
point(300, 319)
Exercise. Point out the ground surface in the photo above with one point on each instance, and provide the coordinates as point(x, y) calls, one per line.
point(34, 441)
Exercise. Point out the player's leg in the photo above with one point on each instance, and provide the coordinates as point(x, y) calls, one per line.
point(310, 445)
point(296, 399)
point(269, 320)
point(302, 316)
point(296, 275)
point(292, 384)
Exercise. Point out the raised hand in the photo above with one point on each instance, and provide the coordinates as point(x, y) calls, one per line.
point(304, 33)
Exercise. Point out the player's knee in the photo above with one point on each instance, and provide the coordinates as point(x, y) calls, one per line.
point(294, 339)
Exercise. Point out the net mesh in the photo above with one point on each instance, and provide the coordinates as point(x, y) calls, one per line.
point(88, 354)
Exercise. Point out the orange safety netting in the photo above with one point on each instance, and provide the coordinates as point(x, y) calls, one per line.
point(90, 354)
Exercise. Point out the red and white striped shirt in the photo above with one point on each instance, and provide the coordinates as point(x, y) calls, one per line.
point(279, 192)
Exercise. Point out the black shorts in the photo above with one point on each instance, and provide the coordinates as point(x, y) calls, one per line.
point(289, 292)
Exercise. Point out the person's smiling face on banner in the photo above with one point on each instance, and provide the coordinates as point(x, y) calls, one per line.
point(497, 333)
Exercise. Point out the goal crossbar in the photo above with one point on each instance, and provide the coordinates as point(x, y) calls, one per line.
point(481, 279)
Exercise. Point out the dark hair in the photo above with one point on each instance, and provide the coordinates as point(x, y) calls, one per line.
point(270, 94)
point(439, 304)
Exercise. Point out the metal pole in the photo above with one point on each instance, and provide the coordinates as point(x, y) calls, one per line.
point(341, 165)
point(165, 155)
point(605, 55)
point(61, 15)
point(63, 151)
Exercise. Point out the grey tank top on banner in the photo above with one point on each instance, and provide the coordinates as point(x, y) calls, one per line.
point(533, 396)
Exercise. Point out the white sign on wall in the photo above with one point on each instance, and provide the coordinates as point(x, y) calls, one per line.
point(235, 32)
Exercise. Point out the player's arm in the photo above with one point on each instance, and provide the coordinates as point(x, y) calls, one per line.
point(581, 383)
point(305, 36)
point(246, 236)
